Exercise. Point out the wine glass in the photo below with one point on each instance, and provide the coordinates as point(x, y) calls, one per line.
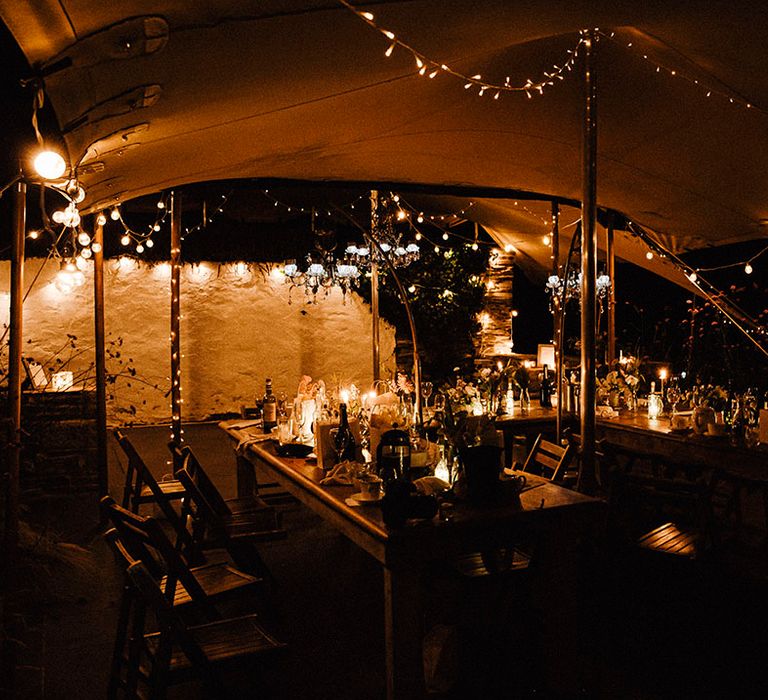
point(426, 392)
point(673, 396)
point(439, 402)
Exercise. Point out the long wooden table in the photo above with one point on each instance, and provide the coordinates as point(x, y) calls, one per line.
point(634, 431)
point(559, 516)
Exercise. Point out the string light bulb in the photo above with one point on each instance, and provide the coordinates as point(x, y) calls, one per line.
point(114, 214)
point(149, 243)
point(83, 238)
point(139, 248)
point(161, 204)
point(748, 269)
point(96, 247)
point(649, 255)
point(101, 219)
point(50, 165)
point(693, 276)
point(125, 240)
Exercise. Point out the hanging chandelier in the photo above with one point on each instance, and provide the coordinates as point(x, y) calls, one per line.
point(572, 285)
point(323, 271)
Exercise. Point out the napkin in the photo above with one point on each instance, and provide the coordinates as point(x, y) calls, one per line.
point(343, 474)
point(243, 424)
point(249, 440)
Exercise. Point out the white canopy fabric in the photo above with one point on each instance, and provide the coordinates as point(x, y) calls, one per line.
point(160, 93)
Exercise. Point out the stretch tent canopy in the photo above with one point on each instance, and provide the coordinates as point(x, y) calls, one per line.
point(151, 95)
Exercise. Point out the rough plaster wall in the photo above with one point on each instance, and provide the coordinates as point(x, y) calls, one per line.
point(236, 330)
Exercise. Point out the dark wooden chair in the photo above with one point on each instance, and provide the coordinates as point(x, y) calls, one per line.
point(548, 460)
point(177, 651)
point(602, 464)
point(659, 514)
point(268, 493)
point(213, 524)
point(142, 487)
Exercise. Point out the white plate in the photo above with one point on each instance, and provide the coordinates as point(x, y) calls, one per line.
point(361, 499)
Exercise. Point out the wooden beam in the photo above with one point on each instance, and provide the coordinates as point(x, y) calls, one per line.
point(176, 400)
point(611, 259)
point(587, 477)
point(100, 359)
point(15, 343)
point(375, 325)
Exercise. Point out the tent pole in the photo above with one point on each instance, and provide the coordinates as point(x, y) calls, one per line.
point(587, 478)
point(556, 335)
point(375, 338)
point(101, 369)
point(175, 317)
point(611, 255)
point(13, 452)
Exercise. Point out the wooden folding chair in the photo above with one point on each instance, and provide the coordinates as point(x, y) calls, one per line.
point(268, 493)
point(548, 460)
point(142, 487)
point(178, 652)
point(225, 507)
point(214, 525)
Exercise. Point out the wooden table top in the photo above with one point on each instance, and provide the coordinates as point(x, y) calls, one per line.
point(540, 500)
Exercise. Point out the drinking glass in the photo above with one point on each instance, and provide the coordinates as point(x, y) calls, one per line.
point(673, 396)
point(426, 392)
point(439, 402)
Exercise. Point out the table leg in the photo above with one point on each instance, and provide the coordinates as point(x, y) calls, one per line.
point(403, 630)
point(557, 593)
point(246, 478)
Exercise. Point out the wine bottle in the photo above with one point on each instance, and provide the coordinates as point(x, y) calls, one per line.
point(545, 398)
point(344, 440)
point(269, 408)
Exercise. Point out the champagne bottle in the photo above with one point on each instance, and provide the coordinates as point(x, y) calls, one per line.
point(546, 389)
point(269, 408)
point(344, 440)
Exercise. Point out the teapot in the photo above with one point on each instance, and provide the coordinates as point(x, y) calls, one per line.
point(393, 455)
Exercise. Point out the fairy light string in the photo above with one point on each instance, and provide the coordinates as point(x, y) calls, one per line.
point(710, 292)
point(430, 68)
point(731, 97)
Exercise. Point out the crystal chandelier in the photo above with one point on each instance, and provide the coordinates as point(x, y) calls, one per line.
point(572, 286)
point(321, 270)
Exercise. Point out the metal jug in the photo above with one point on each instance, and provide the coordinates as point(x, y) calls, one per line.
point(393, 456)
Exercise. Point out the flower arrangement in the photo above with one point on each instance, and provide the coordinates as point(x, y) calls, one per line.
point(621, 382)
point(711, 395)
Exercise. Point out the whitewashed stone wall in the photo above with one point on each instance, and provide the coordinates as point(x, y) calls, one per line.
point(237, 328)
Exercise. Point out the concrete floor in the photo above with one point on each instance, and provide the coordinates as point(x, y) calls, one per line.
point(647, 632)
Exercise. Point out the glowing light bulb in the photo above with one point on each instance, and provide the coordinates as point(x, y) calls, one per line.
point(139, 248)
point(34, 235)
point(475, 246)
point(161, 204)
point(420, 219)
point(693, 277)
point(101, 219)
point(509, 248)
point(445, 236)
point(514, 313)
point(83, 238)
point(114, 214)
point(412, 289)
point(748, 269)
point(125, 240)
point(418, 236)
point(96, 247)
point(156, 227)
point(50, 165)
point(401, 215)
point(546, 240)
point(149, 243)
point(649, 255)
point(367, 15)
point(86, 253)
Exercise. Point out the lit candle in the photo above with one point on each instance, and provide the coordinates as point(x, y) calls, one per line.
point(344, 396)
point(662, 376)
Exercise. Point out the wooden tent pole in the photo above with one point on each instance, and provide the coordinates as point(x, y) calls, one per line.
point(375, 326)
point(13, 451)
point(175, 316)
point(101, 368)
point(587, 478)
point(611, 256)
